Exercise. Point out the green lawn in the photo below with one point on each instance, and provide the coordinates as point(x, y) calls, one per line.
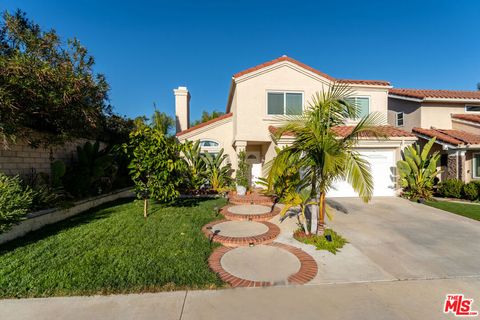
point(464, 209)
point(112, 249)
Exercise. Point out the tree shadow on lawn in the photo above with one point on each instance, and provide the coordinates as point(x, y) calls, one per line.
point(93, 214)
point(188, 202)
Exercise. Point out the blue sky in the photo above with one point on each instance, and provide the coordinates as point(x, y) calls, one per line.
point(147, 48)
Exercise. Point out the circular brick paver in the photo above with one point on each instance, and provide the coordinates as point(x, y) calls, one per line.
point(249, 209)
point(307, 268)
point(254, 198)
point(241, 233)
point(249, 212)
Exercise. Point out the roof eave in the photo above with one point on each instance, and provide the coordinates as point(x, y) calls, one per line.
point(396, 96)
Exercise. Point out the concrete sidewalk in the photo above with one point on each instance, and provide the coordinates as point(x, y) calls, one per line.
point(408, 299)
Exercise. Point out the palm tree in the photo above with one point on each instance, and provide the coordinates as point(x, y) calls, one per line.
point(324, 156)
point(300, 199)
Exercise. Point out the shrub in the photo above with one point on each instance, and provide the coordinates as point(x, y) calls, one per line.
point(241, 176)
point(320, 241)
point(93, 173)
point(15, 201)
point(470, 191)
point(451, 188)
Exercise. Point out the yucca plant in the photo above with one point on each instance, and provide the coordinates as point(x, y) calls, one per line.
point(218, 171)
point(418, 170)
point(195, 164)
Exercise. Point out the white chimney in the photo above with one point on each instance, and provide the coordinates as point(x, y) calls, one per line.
point(182, 108)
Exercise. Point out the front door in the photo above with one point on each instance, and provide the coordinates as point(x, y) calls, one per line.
point(254, 160)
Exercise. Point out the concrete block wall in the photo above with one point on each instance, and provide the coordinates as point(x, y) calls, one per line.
point(37, 220)
point(20, 158)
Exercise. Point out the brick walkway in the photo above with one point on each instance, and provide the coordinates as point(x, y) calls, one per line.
point(253, 210)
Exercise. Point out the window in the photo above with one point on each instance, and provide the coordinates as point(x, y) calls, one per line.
point(212, 154)
point(472, 108)
point(208, 143)
point(399, 119)
point(362, 104)
point(284, 103)
point(476, 165)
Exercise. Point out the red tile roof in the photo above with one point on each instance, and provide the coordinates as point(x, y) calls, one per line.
point(467, 117)
point(285, 58)
point(343, 131)
point(454, 137)
point(438, 94)
point(201, 125)
point(386, 130)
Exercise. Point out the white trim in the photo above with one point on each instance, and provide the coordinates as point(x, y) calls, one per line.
point(458, 100)
point(284, 92)
point(403, 119)
point(471, 105)
point(470, 123)
point(474, 164)
point(394, 96)
point(427, 99)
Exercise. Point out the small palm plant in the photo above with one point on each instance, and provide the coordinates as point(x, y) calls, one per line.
point(418, 170)
point(323, 156)
point(218, 171)
point(301, 200)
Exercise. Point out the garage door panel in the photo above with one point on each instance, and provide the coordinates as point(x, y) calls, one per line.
point(382, 166)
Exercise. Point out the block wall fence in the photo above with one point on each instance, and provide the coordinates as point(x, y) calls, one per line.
point(20, 158)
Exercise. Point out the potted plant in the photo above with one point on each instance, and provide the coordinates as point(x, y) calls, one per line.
point(241, 174)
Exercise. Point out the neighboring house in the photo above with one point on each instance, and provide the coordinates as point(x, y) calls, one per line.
point(453, 117)
point(262, 95)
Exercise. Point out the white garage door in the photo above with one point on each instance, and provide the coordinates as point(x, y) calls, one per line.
point(382, 166)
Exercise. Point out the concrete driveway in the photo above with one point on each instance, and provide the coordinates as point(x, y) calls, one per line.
point(411, 241)
point(432, 252)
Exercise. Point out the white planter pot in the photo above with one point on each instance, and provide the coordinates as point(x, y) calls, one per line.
point(241, 190)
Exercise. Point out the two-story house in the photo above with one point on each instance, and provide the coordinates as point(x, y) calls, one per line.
point(260, 95)
point(452, 117)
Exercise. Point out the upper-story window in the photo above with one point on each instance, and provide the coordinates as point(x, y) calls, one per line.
point(399, 119)
point(472, 108)
point(284, 103)
point(208, 143)
point(362, 104)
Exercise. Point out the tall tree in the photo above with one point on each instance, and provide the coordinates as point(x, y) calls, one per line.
point(46, 84)
point(206, 116)
point(163, 122)
point(324, 157)
point(155, 165)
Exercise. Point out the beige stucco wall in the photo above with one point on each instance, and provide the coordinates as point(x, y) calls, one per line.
point(221, 132)
point(252, 120)
point(411, 110)
point(457, 125)
point(439, 115)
